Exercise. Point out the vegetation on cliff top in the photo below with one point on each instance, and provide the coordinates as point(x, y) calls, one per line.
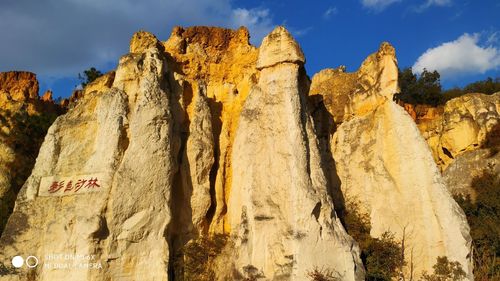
point(89, 76)
point(426, 88)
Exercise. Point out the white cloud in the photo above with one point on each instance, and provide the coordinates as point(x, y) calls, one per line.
point(459, 57)
point(492, 38)
point(60, 38)
point(438, 2)
point(378, 5)
point(430, 3)
point(331, 11)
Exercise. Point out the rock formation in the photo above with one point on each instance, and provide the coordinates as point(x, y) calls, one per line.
point(128, 175)
point(19, 85)
point(276, 171)
point(464, 124)
point(24, 120)
point(460, 174)
point(464, 136)
point(384, 163)
point(103, 180)
point(338, 85)
point(100, 84)
point(204, 136)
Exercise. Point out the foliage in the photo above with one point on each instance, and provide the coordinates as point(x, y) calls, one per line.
point(488, 86)
point(195, 260)
point(382, 257)
point(426, 88)
point(89, 76)
point(483, 215)
point(5, 270)
point(323, 274)
point(445, 270)
point(25, 135)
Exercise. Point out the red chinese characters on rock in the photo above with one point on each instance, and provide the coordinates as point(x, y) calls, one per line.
point(70, 186)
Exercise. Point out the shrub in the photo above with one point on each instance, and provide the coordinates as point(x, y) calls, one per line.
point(382, 257)
point(445, 270)
point(5, 270)
point(323, 274)
point(89, 76)
point(196, 258)
point(483, 215)
point(426, 88)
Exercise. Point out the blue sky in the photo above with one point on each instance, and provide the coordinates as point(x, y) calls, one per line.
point(59, 38)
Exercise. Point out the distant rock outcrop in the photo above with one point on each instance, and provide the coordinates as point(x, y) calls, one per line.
point(19, 85)
point(464, 124)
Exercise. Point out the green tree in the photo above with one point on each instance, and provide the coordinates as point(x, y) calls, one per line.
point(483, 215)
point(488, 86)
point(89, 76)
point(423, 89)
point(445, 270)
point(382, 257)
point(408, 86)
point(429, 85)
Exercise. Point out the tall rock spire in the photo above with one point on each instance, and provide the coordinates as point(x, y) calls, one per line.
point(277, 171)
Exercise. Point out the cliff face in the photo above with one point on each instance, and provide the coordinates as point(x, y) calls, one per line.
point(206, 154)
point(276, 171)
point(464, 124)
point(24, 120)
point(385, 165)
point(464, 137)
point(19, 85)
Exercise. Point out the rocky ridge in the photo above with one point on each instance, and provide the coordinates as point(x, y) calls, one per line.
point(205, 135)
point(24, 119)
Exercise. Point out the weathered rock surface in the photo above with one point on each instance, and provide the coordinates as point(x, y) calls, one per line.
point(422, 113)
point(464, 125)
point(206, 135)
point(221, 63)
point(384, 163)
point(198, 161)
point(100, 84)
point(460, 174)
point(335, 86)
point(120, 142)
point(19, 85)
point(358, 93)
point(24, 120)
point(276, 171)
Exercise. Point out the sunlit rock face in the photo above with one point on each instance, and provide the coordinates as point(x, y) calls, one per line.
point(205, 135)
point(466, 123)
point(384, 163)
point(102, 182)
point(19, 85)
point(24, 119)
point(143, 163)
point(277, 171)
